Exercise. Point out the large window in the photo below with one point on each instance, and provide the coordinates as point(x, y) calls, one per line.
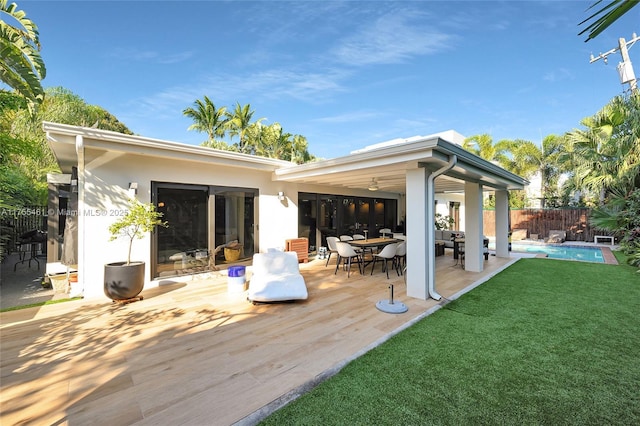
point(200, 219)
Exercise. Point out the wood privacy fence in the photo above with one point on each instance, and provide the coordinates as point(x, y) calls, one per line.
point(540, 221)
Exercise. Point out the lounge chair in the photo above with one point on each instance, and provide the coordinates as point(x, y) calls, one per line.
point(276, 277)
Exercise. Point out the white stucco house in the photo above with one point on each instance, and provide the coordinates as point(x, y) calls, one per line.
point(211, 197)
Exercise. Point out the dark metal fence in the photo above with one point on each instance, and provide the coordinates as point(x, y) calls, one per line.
point(20, 220)
point(540, 221)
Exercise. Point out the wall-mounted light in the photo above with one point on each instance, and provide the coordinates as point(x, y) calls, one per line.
point(281, 196)
point(133, 188)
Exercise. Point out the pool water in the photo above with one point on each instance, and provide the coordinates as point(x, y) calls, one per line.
point(559, 251)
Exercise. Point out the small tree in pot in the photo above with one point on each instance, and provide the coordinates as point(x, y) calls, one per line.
point(125, 280)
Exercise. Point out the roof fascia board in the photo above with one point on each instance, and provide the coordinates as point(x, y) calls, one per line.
point(403, 153)
point(472, 161)
point(104, 139)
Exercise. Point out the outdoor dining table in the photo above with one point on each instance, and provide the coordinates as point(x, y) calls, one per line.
point(370, 243)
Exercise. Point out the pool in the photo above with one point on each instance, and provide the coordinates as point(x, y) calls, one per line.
point(559, 251)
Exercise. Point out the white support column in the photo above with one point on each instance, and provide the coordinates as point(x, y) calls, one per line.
point(474, 260)
point(417, 265)
point(502, 223)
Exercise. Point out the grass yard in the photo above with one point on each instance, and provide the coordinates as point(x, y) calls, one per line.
point(543, 342)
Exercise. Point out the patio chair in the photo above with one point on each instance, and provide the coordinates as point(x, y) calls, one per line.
point(388, 253)
point(400, 259)
point(385, 231)
point(358, 237)
point(346, 238)
point(276, 277)
point(331, 242)
point(347, 254)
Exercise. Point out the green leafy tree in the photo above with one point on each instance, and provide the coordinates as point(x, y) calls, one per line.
point(602, 18)
point(605, 155)
point(28, 166)
point(483, 146)
point(238, 122)
point(140, 219)
point(208, 119)
point(621, 215)
point(529, 159)
point(21, 66)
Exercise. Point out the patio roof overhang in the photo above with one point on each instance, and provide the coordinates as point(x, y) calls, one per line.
point(389, 165)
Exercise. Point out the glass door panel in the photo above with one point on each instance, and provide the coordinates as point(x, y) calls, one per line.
point(347, 216)
point(182, 247)
point(234, 224)
point(307, 220)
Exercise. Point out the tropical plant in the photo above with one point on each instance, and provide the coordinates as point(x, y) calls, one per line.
point(605, 156)
point(621, 215)
point(21, 66)
point(238, 122)
point(209, 119)
point(140, 219)
point(483, 146)
point(26, 155)
point(529, 159)
point(443, 222)
point(601, 19)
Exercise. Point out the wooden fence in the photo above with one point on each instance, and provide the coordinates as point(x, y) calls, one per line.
point(540, 221)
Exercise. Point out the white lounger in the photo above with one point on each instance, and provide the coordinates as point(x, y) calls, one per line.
point(276, 277)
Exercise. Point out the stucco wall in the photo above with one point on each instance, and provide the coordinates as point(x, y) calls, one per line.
point(105, 194)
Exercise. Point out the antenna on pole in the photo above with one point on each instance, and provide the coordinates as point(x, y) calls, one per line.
point(625, 68)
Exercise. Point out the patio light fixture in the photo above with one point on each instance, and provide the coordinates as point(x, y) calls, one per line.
point(281, 196)
point(133, 189)
point(373, 186)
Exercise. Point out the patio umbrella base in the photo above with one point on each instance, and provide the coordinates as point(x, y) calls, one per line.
point(391, 307)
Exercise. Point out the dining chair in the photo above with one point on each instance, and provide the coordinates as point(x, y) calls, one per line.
point(331, 243)
point(346, 254)
point(346, 238)
point(400, 259)
point(358, 237)
point(386, 254)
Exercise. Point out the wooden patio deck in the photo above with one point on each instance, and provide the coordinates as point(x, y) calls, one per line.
point(190, 353)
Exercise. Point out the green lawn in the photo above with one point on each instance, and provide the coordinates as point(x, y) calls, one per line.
point(544, 342)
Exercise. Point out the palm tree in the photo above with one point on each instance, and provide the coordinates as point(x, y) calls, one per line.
point(605, 156)
point(238, 122)
point(529, 159)
point(605, 16)
point(21, 66)
point(207, 119)
point(483, 146)
point(300, 150)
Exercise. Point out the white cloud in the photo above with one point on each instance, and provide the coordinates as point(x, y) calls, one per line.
point(393, 38)
point(349, 117)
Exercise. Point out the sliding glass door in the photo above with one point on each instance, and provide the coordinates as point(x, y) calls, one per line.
point(183, 246)
point(235, 221)
point(202, 220)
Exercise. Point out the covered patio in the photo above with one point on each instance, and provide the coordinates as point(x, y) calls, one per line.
point(190, 353)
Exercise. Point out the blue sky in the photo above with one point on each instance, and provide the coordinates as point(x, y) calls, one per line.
point(343, 74)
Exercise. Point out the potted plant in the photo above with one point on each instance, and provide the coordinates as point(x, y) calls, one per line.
point(125, 280)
